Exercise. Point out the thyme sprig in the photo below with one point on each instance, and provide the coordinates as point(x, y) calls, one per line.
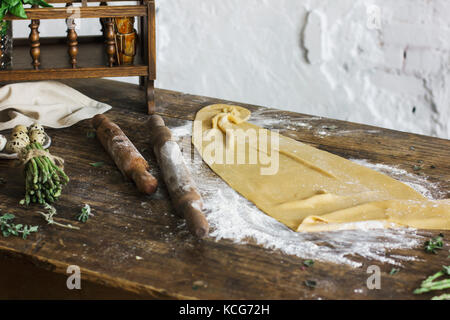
point(434, 244)
point(394, 271)
point(85, 213)
point(51, 212)
point(9, 228)
point(97, 164)
point(308, 263)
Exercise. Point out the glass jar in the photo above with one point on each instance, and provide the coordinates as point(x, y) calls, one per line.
point(126, 40)
point(6, 44)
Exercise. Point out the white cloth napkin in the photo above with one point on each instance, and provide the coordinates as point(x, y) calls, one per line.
point(50, 103)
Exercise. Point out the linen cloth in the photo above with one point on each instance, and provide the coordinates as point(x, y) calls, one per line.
point(50, 103)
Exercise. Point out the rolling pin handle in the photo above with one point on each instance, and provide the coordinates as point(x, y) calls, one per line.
point(97, 120)
point(196, 222)
point(145, 182)
point(156, 121)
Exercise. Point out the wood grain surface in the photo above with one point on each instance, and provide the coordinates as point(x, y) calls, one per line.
point(127, 224)
point(84, 12)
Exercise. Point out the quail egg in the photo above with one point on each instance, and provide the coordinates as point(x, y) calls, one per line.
point(37, 137)
point(15, 146)
point(36, 127)
point(20, 135)
point(20, 128)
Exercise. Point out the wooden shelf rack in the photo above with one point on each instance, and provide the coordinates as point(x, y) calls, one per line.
point(74, 57)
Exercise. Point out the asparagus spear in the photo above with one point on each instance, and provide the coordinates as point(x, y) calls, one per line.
point(44, 179)
point(430, 284)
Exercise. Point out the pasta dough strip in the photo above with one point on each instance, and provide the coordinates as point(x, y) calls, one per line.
point(311, 190)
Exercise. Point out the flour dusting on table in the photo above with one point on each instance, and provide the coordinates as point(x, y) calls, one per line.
point(418, 183)
point(233, 217)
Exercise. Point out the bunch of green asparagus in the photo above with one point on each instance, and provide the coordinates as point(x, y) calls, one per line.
point(430, 284)
point(44, 179)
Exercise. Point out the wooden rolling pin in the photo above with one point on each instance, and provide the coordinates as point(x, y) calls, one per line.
point(127, 158)
point(182, 189)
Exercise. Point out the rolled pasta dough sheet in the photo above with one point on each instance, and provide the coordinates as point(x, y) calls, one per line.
point(307, 189)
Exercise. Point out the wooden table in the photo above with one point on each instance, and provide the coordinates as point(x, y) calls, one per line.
point(128, 225)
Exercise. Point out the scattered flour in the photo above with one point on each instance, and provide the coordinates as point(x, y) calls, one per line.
point(182, 131)
point(418, 183)
point(175, 170)
point(233, 217)
point(268, 119)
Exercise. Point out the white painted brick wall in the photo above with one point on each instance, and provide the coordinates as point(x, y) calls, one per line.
point(424, 61)
point(339, 63)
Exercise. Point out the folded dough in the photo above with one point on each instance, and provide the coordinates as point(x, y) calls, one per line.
point(305, 188)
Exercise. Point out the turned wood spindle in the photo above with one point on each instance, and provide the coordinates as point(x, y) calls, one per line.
point(110, 42)
point(72, 40)
point(35, 50)
point(73, 46)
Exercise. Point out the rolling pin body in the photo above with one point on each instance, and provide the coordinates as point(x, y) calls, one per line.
point(125, 155)
point(177, 177)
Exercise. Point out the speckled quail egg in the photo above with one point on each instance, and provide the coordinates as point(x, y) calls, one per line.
point(37, 137)
point(20, 135)
point(20, 128)
point(35, 127)
point(3, 142)
point(15, 146)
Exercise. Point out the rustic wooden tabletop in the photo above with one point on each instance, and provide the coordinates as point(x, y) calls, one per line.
point(133, 243)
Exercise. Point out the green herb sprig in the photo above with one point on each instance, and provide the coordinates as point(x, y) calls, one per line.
point(97, 164)
point(394, 271)
point(49, 217)
point(85, 213)
point(434, 244)
point(9, 228)
point(308, 263)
